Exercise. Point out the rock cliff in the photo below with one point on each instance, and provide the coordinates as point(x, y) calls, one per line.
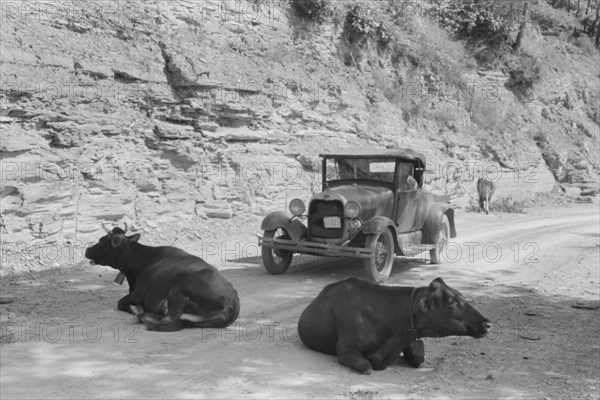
point(191, 120)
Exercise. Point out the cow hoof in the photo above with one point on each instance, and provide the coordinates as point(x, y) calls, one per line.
point(363, 368)
point(135, 310)
point(415, 361)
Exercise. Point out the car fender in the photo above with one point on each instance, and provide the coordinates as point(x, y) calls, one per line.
point(282, 219)
point(433, 222)
point(377, 224)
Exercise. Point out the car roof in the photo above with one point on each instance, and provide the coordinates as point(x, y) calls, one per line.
point(408, 154)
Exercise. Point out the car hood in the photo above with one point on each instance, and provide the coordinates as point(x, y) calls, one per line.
point(375, 200)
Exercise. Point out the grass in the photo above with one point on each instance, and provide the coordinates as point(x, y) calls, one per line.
point(504, 204)
point(425, 45)
point(443, 113)
point(487, 113)
point(585, 44)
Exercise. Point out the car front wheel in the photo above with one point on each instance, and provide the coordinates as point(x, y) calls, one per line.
point(276, 261)
point(378, 269)
point(441, 242)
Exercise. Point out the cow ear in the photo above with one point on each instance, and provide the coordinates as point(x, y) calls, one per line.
point(425, 302)
point(436, 285)
point(434, 291)
point(116, 240)
point(134, 238)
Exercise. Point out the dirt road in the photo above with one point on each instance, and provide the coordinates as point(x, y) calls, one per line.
point(64, 338)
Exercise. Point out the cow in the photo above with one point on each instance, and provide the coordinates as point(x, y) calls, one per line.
point(169, 289)
point(367, 325)
point(485, 190)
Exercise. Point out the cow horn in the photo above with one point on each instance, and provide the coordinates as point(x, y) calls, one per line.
point(106, 229)
point(125, 230)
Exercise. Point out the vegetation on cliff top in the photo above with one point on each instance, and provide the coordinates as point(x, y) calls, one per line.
point(491, 30)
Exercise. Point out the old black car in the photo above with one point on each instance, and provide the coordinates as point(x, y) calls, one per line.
point(372, 206)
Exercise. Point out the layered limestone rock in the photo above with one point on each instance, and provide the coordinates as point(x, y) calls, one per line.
point(191, 123)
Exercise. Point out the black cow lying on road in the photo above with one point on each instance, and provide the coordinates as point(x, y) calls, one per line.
point(485, 190)
point(367, 325)
point(169, 289)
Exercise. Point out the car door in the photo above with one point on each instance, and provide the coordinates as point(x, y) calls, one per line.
point(420, 210)
point(407, 199)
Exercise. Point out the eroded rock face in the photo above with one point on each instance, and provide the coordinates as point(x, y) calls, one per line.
point(193, 124)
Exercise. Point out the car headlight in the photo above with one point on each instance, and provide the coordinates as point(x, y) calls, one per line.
point(352, 209)
point(297, 207)
point(355, 224)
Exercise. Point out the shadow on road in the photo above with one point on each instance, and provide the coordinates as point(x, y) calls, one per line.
point(540, 346)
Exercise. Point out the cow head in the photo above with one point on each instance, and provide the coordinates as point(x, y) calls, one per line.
point(443, 311)
point(111, 249)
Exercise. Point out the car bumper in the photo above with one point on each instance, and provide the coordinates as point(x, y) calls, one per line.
point(314, 248)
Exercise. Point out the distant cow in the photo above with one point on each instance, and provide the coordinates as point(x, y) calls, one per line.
point(485, 190)
point(367, 325)
point(169, 289)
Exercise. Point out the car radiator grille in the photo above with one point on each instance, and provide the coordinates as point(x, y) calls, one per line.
point(319, 209)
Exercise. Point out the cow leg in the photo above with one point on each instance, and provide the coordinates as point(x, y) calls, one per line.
point(170, 311)
point(131, 303)
point(415, 353)
point(388, 352)
point(136, 310)
point(178, 312)
point(196, 299)
point(154, 322)
point(167, 320)
point(352, 358)
point(204, 300)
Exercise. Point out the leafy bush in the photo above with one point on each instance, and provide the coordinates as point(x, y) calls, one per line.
point(472, 20)
point(550, 18)
point(316, 10)
point(524, 73)
point(487, 26)
point(363, 23)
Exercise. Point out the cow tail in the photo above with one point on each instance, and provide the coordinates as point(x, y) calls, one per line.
point(221, 318)
point(163, 325)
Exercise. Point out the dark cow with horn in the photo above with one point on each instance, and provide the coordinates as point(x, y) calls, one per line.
point(169, 289)
point(368, 325)
point(485, 190)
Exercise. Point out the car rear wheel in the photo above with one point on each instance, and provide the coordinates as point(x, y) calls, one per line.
point(441, 242)
point(276, 261)
point(378, 269)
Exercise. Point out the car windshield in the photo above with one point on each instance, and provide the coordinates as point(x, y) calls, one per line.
point(359, 169)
